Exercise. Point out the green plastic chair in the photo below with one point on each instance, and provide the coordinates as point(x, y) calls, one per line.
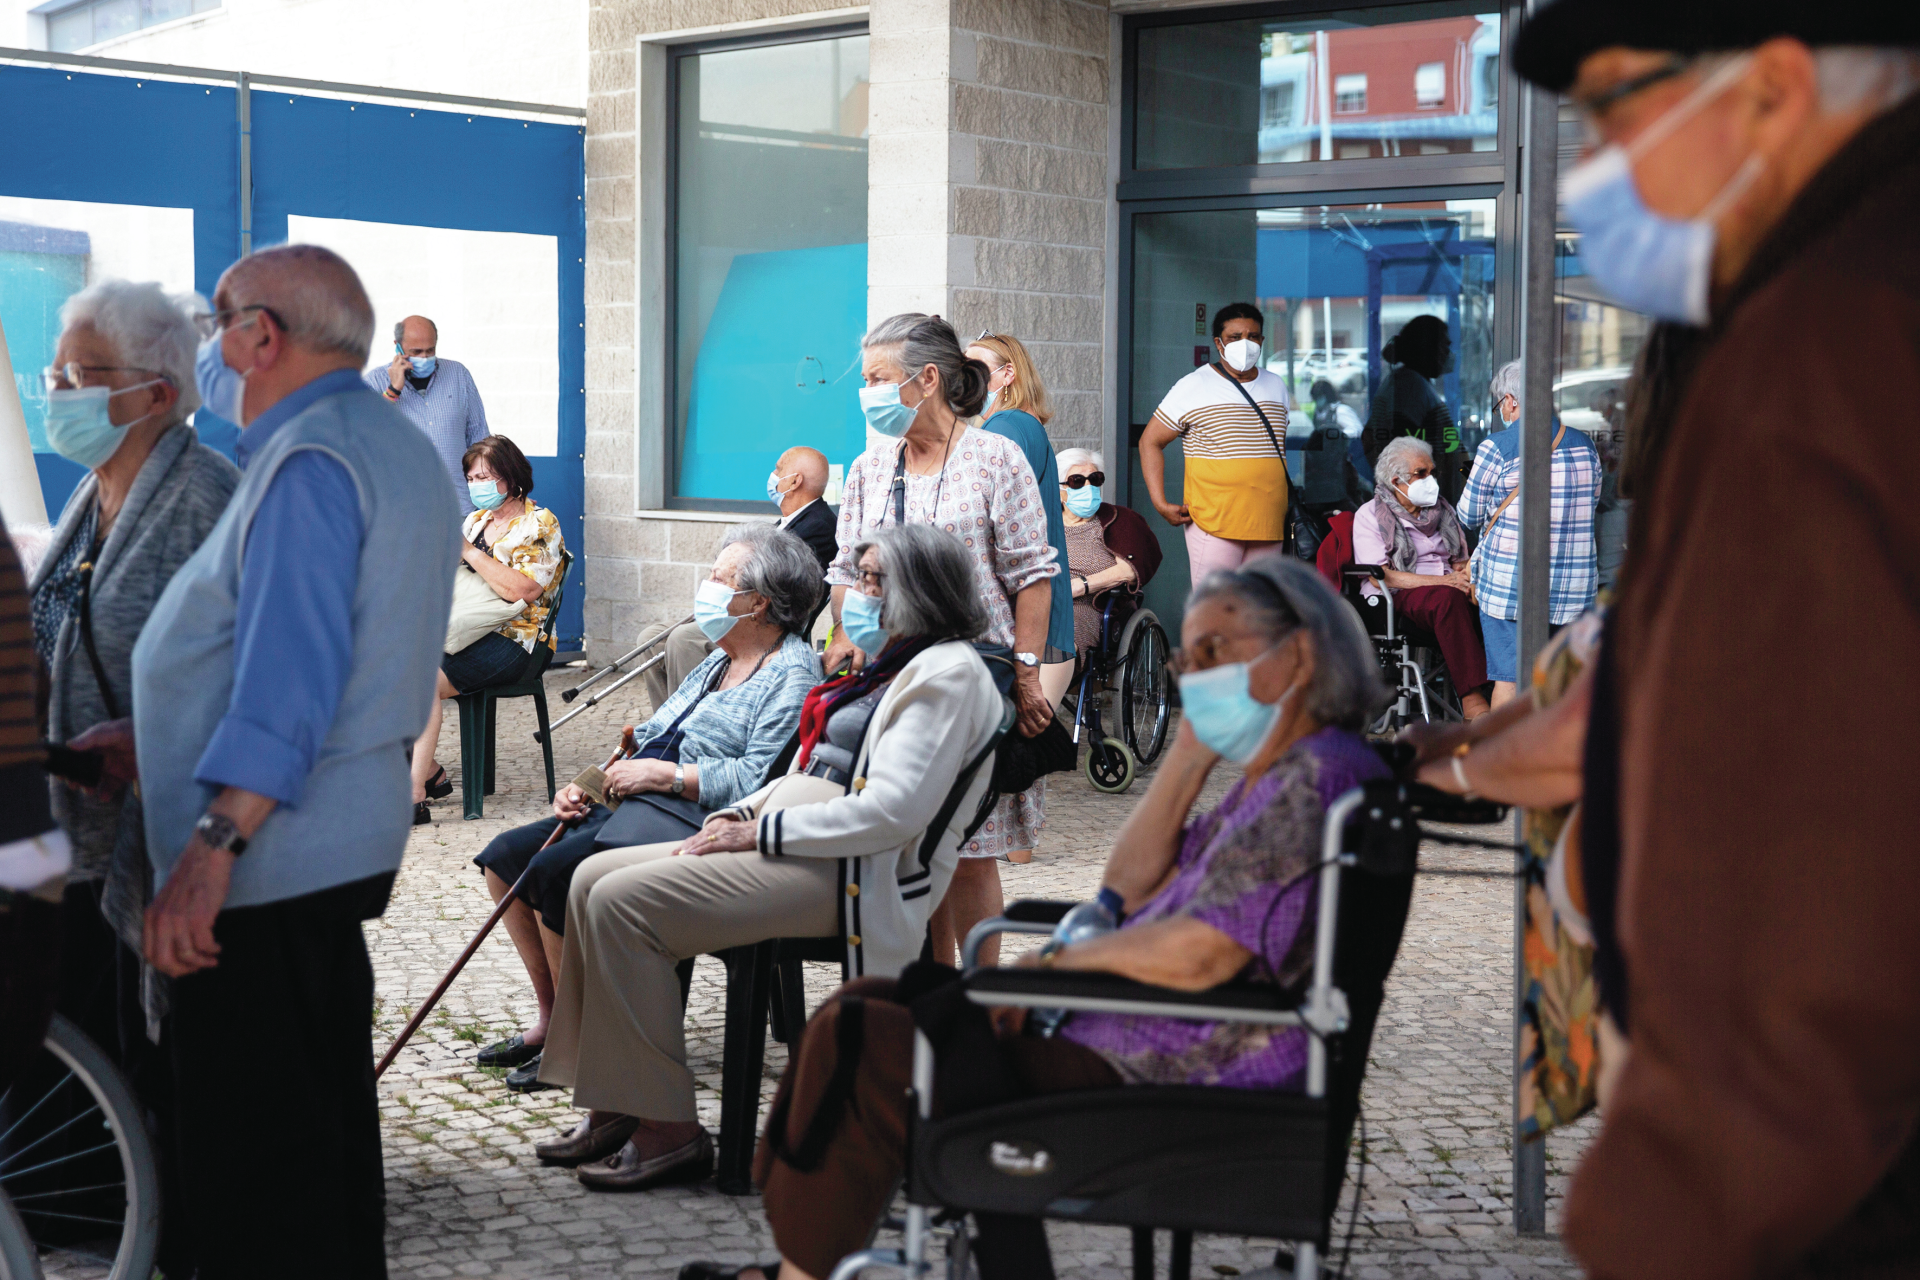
point(477, 712)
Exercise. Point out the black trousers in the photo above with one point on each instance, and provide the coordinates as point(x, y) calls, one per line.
point(277, 1127)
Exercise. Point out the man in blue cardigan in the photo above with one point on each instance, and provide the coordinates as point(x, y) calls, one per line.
point(276, 685)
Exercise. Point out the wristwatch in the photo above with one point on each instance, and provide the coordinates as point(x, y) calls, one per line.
point(679, 779)
point(1027, 659)
point(218, 831)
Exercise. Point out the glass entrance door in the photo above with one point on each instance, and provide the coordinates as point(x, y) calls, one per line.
point(1335, 284)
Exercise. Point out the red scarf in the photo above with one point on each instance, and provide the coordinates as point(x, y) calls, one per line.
point(825, 699)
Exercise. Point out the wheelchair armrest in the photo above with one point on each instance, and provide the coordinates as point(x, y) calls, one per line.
point(1037, 911)
point(970, 947)
point(1363, 570)
point(1111, 993)
point(1429, 804)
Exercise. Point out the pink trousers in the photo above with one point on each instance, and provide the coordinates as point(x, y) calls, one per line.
point(1206, 553)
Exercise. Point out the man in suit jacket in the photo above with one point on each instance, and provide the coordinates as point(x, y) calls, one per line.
point(798, 480)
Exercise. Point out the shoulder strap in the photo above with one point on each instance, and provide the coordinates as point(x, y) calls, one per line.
point(931, 840)
point(1507, 501)
point(900, 487)
point(1255, 406)
point(86, 637)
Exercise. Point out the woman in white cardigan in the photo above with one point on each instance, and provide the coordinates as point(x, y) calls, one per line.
point(841, 845)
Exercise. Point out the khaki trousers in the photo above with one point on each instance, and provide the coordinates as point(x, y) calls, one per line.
point(686, 647)
point(618, 1035)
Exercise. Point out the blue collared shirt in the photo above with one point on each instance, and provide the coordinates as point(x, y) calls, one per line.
point(448, 413)
point(293, 633)
point(1575, 490)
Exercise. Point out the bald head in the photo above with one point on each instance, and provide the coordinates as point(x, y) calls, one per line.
point(417, 336)
point(314, 295)
point(811, 465)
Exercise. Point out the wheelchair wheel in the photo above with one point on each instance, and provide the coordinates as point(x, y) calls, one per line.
point(1146, 702)
point(76, 1160)
point(1110, 766)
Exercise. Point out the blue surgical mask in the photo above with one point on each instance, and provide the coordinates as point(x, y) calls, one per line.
point(1644, 260)
point(485, 494)
point(1083, 501)
point(883, 410)
point(1224, 714)
point(423, 366)
point(860, 619)
point(774, 482)
point(78, 427)
point(711, 601)
point(986, 410)
point(222, 387)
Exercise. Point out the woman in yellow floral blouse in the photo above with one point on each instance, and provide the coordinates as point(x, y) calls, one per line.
point(516, 549)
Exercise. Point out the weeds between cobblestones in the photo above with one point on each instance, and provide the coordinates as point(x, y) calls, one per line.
point(467, 1198)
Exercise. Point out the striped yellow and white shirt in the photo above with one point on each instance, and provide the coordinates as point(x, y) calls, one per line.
point(1236, 481)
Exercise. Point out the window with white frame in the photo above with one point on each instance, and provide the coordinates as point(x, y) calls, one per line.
point(73, 26)
point(1429, 85)
point(1350, 94)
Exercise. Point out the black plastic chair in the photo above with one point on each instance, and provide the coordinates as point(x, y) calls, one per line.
point(477, 719)
point(1187, 1159)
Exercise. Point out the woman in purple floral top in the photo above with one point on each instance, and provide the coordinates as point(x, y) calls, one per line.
point(1277, 677)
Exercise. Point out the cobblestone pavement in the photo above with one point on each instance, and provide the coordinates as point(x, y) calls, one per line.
point(467, 1197)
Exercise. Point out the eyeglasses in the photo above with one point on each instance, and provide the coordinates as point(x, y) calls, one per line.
point(1597, 105)
point(1094, 478)
point(72, 375)
point(985, 334)
point(870, 580)
point(1206, 653)
point(208, 323)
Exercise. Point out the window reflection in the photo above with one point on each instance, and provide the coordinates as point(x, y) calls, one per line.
point(1355, 86)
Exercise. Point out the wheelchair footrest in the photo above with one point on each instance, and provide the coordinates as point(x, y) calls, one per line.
point(1179, 1157)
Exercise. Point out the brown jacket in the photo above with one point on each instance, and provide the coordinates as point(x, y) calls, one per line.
point(1765, 645)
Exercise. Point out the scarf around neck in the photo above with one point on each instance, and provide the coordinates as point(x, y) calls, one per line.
point(1396, 521)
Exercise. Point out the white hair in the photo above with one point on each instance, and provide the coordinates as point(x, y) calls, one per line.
point(1509, 382)
point(1853, 76)
point(1396, 460)
point(148, 328)
point(313, 292)
point(1074, 457)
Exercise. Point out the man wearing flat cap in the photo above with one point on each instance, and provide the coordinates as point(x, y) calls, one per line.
point(1753, 182)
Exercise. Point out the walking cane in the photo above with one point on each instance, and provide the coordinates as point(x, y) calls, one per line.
point(499, 910)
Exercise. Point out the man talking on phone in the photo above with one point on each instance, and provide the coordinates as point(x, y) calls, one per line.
point(435, 395)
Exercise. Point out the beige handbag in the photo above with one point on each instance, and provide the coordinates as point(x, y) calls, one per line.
point(477, 610)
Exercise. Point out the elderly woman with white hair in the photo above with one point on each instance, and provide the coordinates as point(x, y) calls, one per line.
point(1491, 504)
point(118, 395)
point(1278, 681)
point(1108, 547)
point(1414, 535)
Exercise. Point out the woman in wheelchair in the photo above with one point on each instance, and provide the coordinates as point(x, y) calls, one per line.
point(1107, 546)
point(1277, 677)
point(1413, 534)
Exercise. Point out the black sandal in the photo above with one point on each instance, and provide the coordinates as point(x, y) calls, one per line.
point(714, 1271)
point(422, 814)
point(439, 786)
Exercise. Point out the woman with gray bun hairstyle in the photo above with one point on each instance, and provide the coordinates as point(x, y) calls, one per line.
point(925, 466)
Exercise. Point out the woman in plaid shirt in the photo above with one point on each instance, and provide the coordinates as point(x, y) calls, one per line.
point(1496, 566)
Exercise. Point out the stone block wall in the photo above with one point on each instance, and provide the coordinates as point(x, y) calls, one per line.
point(988, 202)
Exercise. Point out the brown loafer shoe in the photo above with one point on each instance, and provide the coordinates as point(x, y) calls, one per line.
point(585, 1144)
point(626, 1171)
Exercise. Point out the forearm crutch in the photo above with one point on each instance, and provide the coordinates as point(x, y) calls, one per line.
point(568, 695)
point(499, 910)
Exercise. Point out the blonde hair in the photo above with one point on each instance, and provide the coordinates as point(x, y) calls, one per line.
point(1026, 391)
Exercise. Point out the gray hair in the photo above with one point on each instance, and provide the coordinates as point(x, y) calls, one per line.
point(1282, 596)
point(1854, 76)
point(783, 569)
point(313, 292)
point(149, 328)
point(892, 331)
point(1397, 459)
point(1074, 457)
point(931, 589)
point(1509, 381)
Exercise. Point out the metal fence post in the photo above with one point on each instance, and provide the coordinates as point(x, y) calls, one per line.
point(243, 105)
point(1539, 342)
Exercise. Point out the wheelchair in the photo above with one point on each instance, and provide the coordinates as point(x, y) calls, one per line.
point(1242, 1162)
point(1423, 689)
point(1130, 665)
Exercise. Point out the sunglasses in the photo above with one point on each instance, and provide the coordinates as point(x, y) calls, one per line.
point(1096, 479)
